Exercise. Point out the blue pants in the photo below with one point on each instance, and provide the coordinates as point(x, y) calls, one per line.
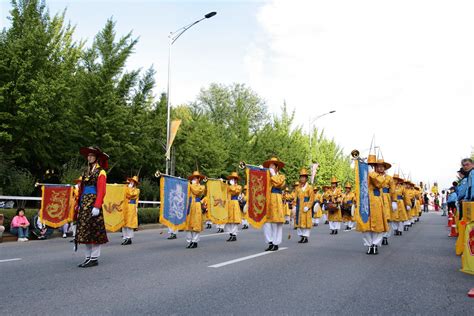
point(21, 232)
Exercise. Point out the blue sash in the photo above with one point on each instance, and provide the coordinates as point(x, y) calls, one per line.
point(399, 197)
point(89, 189)
point(386, 190)
point(276, 190)
point(234, 198)
point(376, 192)
point(132, 202)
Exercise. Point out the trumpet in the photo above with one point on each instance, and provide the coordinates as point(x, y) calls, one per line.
point(157, 174)
point(243, 165)
point(355, 154)
point(37, 184)
point(207, 179)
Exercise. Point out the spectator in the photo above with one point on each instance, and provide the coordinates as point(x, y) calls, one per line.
point(19, 225)
point(426, 202)
point(2, 228)
point(443, 202)
point(40, 230)
point(452, 199)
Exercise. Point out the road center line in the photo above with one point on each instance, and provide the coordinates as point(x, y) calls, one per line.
point(244, 258)
point(8, 260)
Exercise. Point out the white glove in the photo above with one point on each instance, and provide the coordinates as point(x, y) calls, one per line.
point(394, 206)
point(231, 181)
point(272, 172)
point(130, 185)
point(306, 209)
point(408, 208)
point(194, 181)
point(324, 207)
point(95, 211)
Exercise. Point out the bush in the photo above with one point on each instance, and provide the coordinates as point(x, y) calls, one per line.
point(148, 215)
point(149, 190)
point(71, 170)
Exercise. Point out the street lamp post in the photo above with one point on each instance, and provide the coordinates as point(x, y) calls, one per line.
point(173, 37)
point(311, 122)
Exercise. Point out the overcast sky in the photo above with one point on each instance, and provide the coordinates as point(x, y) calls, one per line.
point(400, 70)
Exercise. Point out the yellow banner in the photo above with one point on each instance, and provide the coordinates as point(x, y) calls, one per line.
point(113, 207)
point(174, 126)
point(218, 201)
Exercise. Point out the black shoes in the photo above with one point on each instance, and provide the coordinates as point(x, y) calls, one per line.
point(301, 240)
point(373, 250)
point(275, 248)
point(90, 262)
point(232, 238)
point(335, 232)
point(270, 247)
point(127, 241)
point(385, 241)
point(326, 222)
point(192, 245)
point(332, 232)
point(305, 240)
point(220, 230)
point(287, 222)
point(172, 236)
point(245, 227)
point(208, 226)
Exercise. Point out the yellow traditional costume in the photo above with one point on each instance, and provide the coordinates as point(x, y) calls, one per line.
point(399, 216)
point(317, 210)
point(234, 217)
point(193, 225)
point(333, 207)
point(347, 207)
point(130, 216)
point(304, 204)
point(275, 217)
point(376, 225)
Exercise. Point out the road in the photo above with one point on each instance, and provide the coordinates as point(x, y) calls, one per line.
point(416, 273)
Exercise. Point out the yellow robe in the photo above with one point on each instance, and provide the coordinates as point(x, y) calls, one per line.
point(204, 204)
point(304, 198)
point(130, 216)
point(234, 207)
point(408, 198)
point(318, 198)
point(387, 199)
point(194, 218)
point(325, 197)
point(276, 210)
point(377, 222)
point(400, 215)
point(335, 196)
point(287, 200)
point(348, 199)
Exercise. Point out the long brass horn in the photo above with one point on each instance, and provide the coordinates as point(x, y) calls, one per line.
point(242, 165)
point(355, 154)
point(157, 174)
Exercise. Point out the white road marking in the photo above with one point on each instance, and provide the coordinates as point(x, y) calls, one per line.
point(245, 258)
point(215, 234)
point(8, 260)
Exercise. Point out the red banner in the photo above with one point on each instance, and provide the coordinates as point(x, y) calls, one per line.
point(56, 205)
point(258, 195)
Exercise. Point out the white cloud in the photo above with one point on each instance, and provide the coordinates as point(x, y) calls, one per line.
point(402, 70)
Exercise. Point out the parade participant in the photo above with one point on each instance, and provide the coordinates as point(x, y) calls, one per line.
point(273, 227)
point(244, 208)
point(324, 201)
point(387, 206)
point(398, 215)
point(317, 211)
point(377, 224)
point(194, 217)
point(333, 207)
point(467, 195)
point(347, 207)
point(90, 218)
point(304, 202)
point(234, 217)
point(287, 198)
point(130, 216)
point(418, 202)
point(407, 200)
point(292, 205)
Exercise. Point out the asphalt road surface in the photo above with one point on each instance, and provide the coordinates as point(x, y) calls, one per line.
point(417, 273)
